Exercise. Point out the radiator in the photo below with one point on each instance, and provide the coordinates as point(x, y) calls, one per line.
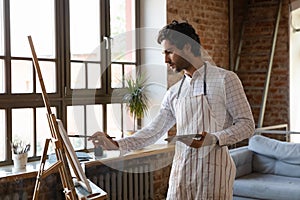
point(136, 183)
point(14, 196)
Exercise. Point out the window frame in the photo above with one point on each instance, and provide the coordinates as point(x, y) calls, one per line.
point(64, 94)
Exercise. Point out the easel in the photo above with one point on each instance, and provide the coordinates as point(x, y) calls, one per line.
point(80, 188)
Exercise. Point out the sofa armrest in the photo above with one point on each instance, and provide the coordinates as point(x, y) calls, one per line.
point(242, 158)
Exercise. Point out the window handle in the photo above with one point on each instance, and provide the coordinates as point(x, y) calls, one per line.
point(108, 40)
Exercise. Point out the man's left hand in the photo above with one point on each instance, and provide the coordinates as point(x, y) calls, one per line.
point(197, 140)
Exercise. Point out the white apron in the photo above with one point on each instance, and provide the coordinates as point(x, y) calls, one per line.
point(206, 173)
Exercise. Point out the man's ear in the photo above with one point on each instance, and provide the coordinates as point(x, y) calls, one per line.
point(187, 48)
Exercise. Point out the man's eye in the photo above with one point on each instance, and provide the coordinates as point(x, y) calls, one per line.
point(167, 52)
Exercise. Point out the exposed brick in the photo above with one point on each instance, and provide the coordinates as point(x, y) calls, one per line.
point(210, 18)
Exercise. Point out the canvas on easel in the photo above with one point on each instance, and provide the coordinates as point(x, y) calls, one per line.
point(73, 158)
point(90, 191)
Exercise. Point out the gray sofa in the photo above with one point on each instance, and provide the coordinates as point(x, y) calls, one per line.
point(267, 169)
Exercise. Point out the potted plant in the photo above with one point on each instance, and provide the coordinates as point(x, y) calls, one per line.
point(135, 97)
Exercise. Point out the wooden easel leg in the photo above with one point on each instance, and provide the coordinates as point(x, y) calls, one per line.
point(41, 169)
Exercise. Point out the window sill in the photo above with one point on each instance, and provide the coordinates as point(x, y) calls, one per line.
point(8, 173)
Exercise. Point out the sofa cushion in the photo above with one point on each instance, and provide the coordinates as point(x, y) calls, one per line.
point(268, 156)
point(267, 186)
point(242, 158)
point(263, 164)
point(283, 151)
point(268, 165)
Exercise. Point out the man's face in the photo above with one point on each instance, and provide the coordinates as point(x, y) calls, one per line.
point(174, 57)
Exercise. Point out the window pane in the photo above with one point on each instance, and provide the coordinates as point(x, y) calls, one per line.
point(114, 124)
point(130, 71)
point(94, 75)
point(49, 77)
point(119, 74)
point(43, 130)
point(22, 125)
point(94, 120)
point(2, 135)
point(21, 76)
point(116, 76)
point(84, 29)
point(2, 76)
point(127, 122)
point(122, 25)
point(35, 18)
point(75, 125)
point(78, 71)
point(1, 28)
point(78, 75)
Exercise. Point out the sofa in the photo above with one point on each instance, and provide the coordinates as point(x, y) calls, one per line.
point(267, 169)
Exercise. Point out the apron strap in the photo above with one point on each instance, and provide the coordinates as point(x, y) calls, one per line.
point(179, 90)
point(204, 79)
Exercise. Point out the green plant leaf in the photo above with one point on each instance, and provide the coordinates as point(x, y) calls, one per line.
point(135, 96)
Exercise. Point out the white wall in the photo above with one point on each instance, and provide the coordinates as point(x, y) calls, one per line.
point(153, 18)
point(295, 75)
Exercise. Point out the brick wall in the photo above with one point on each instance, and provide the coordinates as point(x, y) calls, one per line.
point(277, 110)
point(210, 18)
point(277, 106)
point(22, 187)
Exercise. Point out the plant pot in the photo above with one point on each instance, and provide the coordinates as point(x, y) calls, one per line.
point(20, 160)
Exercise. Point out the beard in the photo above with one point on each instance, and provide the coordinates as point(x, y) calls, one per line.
point(178, 69)
point(180, 64)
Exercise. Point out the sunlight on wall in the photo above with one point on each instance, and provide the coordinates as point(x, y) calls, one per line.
point(153, 18)
point(295, 74)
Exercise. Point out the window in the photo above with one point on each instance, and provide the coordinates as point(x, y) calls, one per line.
point(2, 134)
point(83, 58)
point(2, 75)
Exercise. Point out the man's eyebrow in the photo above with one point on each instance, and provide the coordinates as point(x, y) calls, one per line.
point(167, 51)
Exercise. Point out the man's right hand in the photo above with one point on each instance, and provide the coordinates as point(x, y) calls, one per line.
point(104, 140)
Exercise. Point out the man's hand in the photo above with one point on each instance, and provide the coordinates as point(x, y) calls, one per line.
point(195, 140)
point(104, 140)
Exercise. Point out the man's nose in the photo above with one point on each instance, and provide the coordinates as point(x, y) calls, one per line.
point(167, 58)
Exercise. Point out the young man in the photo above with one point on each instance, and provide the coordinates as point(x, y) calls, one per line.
point(210, 110)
